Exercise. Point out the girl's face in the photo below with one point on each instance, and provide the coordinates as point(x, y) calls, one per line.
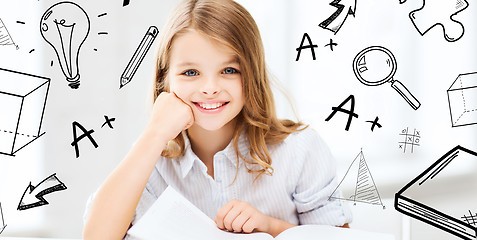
point(205, 74)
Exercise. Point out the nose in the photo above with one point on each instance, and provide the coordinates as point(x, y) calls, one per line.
point(211, 86)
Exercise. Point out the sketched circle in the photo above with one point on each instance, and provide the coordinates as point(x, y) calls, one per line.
point(374, 66)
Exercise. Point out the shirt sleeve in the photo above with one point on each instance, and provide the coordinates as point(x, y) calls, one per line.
point(317, 182)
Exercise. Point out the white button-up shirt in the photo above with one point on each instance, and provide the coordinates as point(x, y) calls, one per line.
point(298, 192)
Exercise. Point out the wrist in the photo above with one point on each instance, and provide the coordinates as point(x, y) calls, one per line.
point(276, 226)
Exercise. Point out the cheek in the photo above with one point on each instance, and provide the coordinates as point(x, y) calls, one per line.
point(182, 89)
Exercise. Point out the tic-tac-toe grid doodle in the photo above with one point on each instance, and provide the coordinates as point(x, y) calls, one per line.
point(410, 140)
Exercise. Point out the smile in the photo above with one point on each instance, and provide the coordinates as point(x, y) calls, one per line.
point(214, 107)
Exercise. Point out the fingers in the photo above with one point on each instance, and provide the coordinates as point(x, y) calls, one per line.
point(237, 216)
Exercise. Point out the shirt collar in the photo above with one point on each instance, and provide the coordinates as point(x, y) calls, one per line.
point(187, 161)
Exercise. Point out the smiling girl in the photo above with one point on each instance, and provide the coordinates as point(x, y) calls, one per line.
point(214, 136)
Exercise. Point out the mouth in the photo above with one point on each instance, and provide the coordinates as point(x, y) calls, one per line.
point(212, 107)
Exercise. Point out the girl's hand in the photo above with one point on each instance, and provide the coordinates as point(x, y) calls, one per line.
point(240, 216)
point(170, 116)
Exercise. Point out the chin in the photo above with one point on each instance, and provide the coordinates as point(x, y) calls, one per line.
point(210, 126)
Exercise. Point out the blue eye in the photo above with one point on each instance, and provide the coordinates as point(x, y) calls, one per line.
point(230, 70)
point(191, 73)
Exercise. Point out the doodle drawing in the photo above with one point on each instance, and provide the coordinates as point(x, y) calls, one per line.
point(442, 12)
point(65, 26)
point(344, 8)
point(22, 104)
point(411, 199)
point(462, 96)
point(2, 223)
point(5, 37)
point(377, 65)
point(410, 141)
point(365, 190)
point(33, 196)
point(139, 55)
point(471, 219)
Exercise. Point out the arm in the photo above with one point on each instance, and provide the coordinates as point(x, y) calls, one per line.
point(114, 205)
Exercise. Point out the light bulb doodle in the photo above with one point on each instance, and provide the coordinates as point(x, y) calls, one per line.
point(65, 26)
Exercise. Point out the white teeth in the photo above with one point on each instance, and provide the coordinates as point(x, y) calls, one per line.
point(209, 106)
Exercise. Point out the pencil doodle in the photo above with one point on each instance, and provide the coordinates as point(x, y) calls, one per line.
point(22, 104)
point(138, 56)
point(377, 65)
point(5, 37)
point(65, 26)
point(338, 18)
point(125, 2)
point(365, 190)
point(440, 13)
point(462, 96)
point(34, 195)
point(431, 181)
point(410, 140)
point(2, 223)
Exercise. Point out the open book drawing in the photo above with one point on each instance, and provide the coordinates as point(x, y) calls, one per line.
point(172, 216)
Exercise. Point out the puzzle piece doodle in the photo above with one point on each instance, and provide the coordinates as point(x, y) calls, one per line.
point(440, 12)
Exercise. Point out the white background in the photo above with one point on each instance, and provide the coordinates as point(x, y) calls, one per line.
point(427, 66)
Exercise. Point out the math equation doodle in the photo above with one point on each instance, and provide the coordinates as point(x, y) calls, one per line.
point(410, 140)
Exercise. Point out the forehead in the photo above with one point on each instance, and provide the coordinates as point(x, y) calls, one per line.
point(192, 46)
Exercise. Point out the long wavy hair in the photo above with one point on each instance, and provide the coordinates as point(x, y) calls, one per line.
point(232, 25)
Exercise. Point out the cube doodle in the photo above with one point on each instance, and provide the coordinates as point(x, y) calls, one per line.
point(462, 96)
point(441, 13)
point(22, 104)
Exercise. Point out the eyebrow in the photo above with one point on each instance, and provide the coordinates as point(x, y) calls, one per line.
point(231, 61)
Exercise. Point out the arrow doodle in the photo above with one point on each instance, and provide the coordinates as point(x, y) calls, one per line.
point(337, 19)
point(33, 196)
point(2, 223)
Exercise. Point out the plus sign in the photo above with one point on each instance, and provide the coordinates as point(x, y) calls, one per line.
point(331, 44)
point(375, 123)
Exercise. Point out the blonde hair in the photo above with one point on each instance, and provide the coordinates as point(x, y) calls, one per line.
point(232, 25)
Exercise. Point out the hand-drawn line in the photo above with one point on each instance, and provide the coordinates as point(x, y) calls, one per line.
point(20, 22)
point(377, 65)
point(402, 1)
point(331, 44)
point(471, 219)
point(338, 18)
point(138, 56)
point(462, 102)
point(375, 123)
point(34, 195)
point(5, 37)
point(65, 26)
point(409, 139)
point(20, 93)
point(125, 2)
point(440, 13)
point(108, 122)
point(365, 189)
point(2, 223)
point(422, 210)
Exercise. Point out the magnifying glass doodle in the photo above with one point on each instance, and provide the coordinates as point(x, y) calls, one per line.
point(376, 65)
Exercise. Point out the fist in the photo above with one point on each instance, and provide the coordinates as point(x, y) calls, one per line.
point(240, 216)
point(170, 116)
